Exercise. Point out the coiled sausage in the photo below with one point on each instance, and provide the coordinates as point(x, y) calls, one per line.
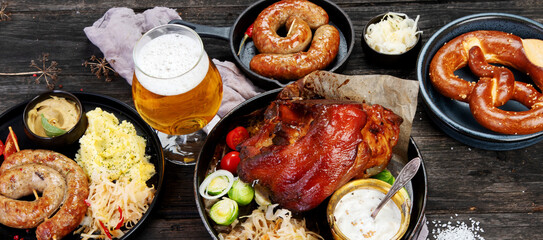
point(299, 17)
point(21, 181)
point(72, 211)
point(323, 50)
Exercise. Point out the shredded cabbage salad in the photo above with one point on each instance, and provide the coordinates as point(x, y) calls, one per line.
point(394, 34)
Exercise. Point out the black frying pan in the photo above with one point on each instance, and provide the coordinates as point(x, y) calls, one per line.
point(215, 146)
point(235, 34)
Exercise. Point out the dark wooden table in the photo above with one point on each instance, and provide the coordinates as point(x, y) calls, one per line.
point(502, 190)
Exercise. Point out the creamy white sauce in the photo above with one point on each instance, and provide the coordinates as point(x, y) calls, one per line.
point(353, 216)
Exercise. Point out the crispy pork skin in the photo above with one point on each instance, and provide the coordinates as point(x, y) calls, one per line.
point(305, 149)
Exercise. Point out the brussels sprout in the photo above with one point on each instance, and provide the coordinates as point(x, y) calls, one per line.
point(241, 192)
point(385, 176)
point(224, 212)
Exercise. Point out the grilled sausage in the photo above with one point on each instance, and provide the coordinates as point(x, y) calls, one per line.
point(299, 17)
point(323, 50)
point(72, 211)
point(21, 181)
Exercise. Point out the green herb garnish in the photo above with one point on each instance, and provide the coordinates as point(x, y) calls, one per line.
point(50, 130)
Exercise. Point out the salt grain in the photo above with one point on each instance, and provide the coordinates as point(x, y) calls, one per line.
point(459, 231)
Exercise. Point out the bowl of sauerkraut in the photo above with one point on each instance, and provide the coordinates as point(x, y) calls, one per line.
point(392, 39)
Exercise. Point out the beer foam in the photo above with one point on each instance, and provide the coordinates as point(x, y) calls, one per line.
point(171, 65)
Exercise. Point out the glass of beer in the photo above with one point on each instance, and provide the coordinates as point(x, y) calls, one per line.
point(176, 89)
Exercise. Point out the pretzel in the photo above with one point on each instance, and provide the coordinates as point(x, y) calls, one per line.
point(496, 85)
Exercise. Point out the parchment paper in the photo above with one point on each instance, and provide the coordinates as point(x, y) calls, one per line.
point(396, 94)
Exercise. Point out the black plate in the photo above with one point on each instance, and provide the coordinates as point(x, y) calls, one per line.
point(454, 117)
point(215, 145)
point(234, 35)
point(14, 118)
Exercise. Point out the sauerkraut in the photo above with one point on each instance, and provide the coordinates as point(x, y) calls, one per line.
point(264, 223)
point(394, 34)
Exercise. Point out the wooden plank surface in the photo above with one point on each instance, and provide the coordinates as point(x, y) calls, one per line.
point(502, 190)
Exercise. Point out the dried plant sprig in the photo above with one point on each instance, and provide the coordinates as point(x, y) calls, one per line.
point(49, 73)
point(100, 67)
point(4, 15)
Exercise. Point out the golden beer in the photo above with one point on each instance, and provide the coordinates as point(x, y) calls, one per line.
point(176, 88)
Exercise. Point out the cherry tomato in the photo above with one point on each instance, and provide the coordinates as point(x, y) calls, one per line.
point(236, 136)
point(230, 162)
point(11, 144)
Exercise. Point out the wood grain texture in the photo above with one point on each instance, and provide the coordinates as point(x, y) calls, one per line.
point(502, 190)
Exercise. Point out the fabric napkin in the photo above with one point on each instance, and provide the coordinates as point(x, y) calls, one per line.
point(117, 32)
point(423, 233)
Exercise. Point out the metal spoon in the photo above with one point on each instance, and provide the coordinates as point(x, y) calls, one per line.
point(407, 172)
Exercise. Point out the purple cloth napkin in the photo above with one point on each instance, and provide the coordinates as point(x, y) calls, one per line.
point(423, 234)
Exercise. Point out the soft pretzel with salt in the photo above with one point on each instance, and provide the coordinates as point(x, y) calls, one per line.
point(496, 84)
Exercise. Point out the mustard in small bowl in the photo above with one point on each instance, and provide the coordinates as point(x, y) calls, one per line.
point(54, 119)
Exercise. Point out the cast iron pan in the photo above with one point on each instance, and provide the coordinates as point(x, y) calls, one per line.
point(234, 35)
point(215, 146)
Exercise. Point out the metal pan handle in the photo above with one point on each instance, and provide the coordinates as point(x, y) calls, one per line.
point(206, 31)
